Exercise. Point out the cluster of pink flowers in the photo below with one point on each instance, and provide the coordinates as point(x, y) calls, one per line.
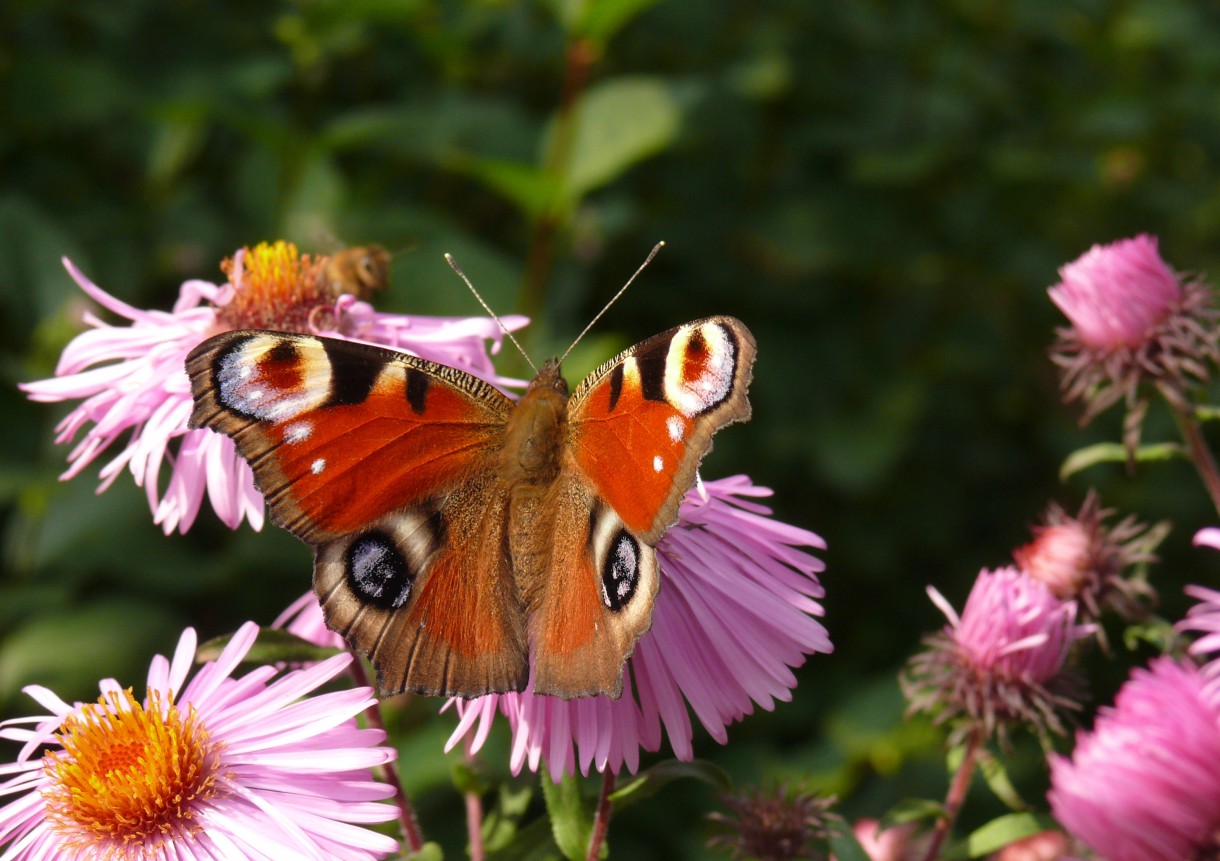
point(738, 612)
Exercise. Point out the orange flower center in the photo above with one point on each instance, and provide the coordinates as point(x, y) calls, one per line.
point(128, 775)
point(277, 288)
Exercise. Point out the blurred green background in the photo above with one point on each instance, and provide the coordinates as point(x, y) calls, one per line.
point(881, 190)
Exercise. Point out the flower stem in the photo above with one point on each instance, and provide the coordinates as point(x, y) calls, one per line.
point(389, 772)
point(601, 819)
point(958, 788)
point(1200, 454)
point(474, 825)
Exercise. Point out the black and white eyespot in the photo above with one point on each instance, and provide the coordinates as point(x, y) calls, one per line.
point(622, 562)
point(377, 571)
point(266, 378)
point(700, 367)
point(382, 565)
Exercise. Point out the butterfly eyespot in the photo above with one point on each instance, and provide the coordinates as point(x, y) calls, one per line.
point(378, 572)
point(621, 571)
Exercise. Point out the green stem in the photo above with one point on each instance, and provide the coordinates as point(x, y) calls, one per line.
point(601, 819)
point(958, 788)
point(389, 772)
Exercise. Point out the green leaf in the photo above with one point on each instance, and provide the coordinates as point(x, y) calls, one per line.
point(1112, 452)
point(996, 775)
point(571, 818)
point(651, 781)
point(532, 843)
point(911, 810)
point(1207, 413)
point(526, 185)
point(428, 852)
point(502, 824)
point(998, 833)
point(614, 126)
point(272, 647)
point(599, 20)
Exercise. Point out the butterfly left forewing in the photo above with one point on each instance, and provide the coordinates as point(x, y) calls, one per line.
point(641, 422)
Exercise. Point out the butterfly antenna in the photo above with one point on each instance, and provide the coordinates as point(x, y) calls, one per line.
point(622, 290)
point(453, 265)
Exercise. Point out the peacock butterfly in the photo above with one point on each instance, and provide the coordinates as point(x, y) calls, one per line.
point(458, 533)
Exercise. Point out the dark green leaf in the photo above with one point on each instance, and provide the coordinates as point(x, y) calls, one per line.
point(912, 810)
point(273, 646)
point(651, 781)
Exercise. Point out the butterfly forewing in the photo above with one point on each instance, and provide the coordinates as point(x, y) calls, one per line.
point(340, 433)
point(641, 423)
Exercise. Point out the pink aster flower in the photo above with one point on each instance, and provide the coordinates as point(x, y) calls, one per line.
point(207, 766)
point(1080, 558)
point(1115, 294)
point(1001, 661)
point(734, 614)
point(1133, 319)
point(135, 393)
point(1144, 785)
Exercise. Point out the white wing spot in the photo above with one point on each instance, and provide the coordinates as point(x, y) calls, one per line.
point(658, 464)
point(298, 432)
point(676, 427)
point(318, 466)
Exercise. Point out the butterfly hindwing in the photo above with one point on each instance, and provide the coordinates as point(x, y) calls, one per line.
point(593, 601)
point(640, 424)
point(429, 597)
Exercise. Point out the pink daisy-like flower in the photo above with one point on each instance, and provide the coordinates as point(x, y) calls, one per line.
point(214, 767)
point(734, 614)
point(133, 385)
point(1133, 319)
point(1204, 617)
point(1080, 558)
point(1001, 661)
point(1144, 785)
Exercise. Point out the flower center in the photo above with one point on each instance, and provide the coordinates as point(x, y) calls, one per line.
point(127, 774)
point(276, 287)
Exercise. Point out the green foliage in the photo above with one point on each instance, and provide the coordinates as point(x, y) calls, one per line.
point(881, 191)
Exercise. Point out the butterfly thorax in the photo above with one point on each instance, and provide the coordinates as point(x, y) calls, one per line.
point(537, 430)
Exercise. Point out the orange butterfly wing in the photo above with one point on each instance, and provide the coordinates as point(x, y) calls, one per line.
point(637, 429)
point(388, 464)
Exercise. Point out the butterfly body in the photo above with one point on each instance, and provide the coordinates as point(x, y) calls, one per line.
point(457, 534)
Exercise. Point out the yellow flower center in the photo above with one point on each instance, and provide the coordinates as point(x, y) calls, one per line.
point(277, 288)
point(129, 776)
